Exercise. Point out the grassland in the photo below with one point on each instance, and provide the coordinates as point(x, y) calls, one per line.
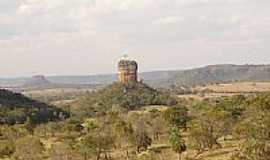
point(227, 89)
point(237, 87)
point(57, 96)
point(162, 148)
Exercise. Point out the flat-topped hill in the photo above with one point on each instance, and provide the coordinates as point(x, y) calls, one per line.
point(38, 80)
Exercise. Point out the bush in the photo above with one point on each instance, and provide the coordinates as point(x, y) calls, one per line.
point(6, 148)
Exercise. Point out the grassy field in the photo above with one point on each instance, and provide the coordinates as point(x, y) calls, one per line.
point(56, 92)
point(56, 96)
point(237, 87)
point(209, 91)
point(227, 89)
point(206, 95)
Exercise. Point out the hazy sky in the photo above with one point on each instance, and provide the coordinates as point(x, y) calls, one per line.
point(67, 37)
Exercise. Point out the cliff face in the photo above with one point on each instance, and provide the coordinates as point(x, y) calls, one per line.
point(127, 71)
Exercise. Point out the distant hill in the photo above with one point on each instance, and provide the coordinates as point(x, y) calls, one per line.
point(41, 82)
point(153, 78)
point(16, 108)
point(222, 73)
point(198, 76)
point(92, 79)
point(38, 80)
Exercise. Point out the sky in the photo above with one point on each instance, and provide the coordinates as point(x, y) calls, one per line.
point(86, 37)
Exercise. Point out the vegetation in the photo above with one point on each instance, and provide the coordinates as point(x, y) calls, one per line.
point(16, 108)
point(221, 74)
point(136, 122)
point(122, 97)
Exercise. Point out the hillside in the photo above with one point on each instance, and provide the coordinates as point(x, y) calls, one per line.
point(37, 81)
point(198, 76)
point(41, 82)
point(124, 97)
point(222, 73)
point(236, 87)
point(16, 108)
point(204, 75)
point(222, 128)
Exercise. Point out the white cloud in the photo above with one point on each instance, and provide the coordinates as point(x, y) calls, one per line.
point(169, 20)
point(102, 29)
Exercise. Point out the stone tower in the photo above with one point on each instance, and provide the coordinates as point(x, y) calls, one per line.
point(127, 70)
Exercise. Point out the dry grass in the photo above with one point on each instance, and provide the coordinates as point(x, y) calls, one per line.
point(227, 89)
point(206, 95)
point(237, 87)
point(55, 92)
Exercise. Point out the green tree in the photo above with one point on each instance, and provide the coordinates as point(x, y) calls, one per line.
point(157, 125)
point(123, 131)
point(141, 135)
point(177, 116)
point(177, 142)
point(207, 128)
point(254, 130)
point(97, 140)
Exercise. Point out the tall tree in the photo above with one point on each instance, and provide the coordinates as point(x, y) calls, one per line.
point(177, 142)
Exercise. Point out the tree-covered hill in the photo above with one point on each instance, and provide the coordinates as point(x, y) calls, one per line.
point(16, 108)
point(222, 73)
point(125, 97)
